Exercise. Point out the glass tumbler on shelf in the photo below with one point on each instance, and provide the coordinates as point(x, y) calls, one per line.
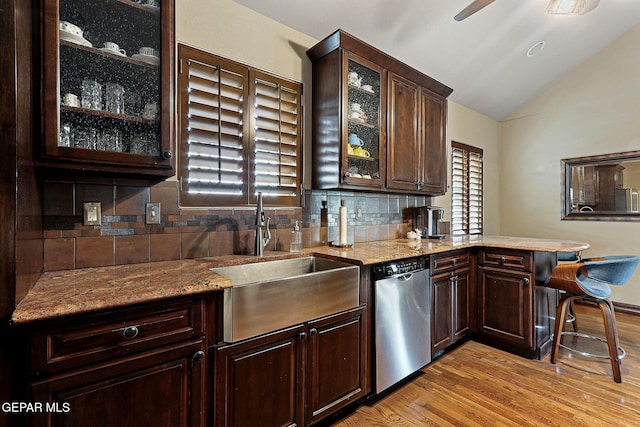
point(91, 94)
point(132, 104)
point(114, 98)
point(85, 137)
point(112, 140)
point(65, 135)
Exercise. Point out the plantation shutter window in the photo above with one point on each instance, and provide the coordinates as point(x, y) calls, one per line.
point(240, 133)
point(276, 137)
point(466, 189)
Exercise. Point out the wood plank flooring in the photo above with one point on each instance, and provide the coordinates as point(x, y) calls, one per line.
point(476, 385)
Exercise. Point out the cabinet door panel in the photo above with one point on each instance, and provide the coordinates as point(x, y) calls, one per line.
point(257, 381)
point(506, 311)
point(461, 315)
point(434, 153)
point(162, 388)
point(335, 363)
point(403, 138)
point(441, 312)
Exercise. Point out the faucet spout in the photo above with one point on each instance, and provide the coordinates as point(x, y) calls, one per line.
point(263, 235)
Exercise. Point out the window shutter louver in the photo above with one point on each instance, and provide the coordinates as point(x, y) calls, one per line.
point(466, 190)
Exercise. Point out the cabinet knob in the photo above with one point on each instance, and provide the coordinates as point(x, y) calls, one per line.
point(454, 262)
point(522, 260)
point(502, 259)
point(130, 332)
point(197, 356)
point(302, 336)
point(313, 331)
point(347, 175)
point(166, 155)
point(525, 281)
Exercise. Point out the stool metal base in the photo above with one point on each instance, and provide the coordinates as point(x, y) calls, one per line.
point(621, 352)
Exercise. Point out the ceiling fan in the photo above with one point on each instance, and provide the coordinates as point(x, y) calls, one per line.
point(564, 7)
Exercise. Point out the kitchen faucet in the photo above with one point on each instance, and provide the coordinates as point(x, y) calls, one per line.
point(261, 241)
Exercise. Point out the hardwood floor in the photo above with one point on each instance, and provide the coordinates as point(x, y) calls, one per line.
point(476, 385)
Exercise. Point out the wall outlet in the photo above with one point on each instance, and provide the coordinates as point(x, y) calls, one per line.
point(152, 213)
point(91, 213)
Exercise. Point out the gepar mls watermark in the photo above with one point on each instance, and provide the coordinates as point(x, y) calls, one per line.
point(19, 407)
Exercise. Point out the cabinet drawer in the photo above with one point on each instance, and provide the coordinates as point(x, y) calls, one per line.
point(89, 338)
point(444, 263)
point(502, 258)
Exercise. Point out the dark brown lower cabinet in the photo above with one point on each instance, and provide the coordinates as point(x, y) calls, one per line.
point(335, 368)
point(452, 288)
point(296, 376)
point(515, 312)
point(450, 312)
point(506, 311)
point(158, 388)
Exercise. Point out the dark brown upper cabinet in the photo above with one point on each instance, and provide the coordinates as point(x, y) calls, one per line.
point(378, 124)
point(107, 95)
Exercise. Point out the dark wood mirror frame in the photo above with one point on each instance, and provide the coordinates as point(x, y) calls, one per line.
point(601, 188)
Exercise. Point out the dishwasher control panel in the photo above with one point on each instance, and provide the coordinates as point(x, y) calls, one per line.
point(402, 266)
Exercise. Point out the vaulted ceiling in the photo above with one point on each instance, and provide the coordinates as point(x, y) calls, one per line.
point(483, 58)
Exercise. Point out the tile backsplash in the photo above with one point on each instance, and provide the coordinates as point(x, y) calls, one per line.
point(125, 238)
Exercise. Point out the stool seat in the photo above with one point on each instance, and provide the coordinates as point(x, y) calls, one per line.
point(591, 279)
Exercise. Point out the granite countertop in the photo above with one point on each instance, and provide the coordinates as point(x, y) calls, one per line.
point(62, 293)
point(389, 250)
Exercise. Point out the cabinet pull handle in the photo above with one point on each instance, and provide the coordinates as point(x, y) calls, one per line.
point(313, 331)
point(454, 261)
point(435, 264)
point(522, 260)
point(197, 356)
point(302, 336)
point(130, 332)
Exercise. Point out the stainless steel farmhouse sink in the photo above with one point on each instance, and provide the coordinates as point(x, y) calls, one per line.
point(271, 295)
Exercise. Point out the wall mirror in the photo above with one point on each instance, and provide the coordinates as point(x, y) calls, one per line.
point(602, 187)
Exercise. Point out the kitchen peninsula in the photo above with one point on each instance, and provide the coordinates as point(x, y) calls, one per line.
point(91, 333)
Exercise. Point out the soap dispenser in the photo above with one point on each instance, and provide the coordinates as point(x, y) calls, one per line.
point(295, 244)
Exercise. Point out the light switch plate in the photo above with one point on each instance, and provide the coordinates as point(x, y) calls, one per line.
point(91, 213)
point(152, 213)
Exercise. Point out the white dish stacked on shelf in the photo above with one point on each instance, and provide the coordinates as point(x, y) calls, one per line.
point(147, 55)
point(72, 33)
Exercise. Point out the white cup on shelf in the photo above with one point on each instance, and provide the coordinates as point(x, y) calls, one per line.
point(70, 28)
point(114, 47)
point(148, 51)
point(150, 111)
point(71, 99)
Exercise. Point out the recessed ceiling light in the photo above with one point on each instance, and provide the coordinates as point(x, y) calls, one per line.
point(535, 49)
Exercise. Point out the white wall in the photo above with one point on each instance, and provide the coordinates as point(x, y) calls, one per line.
point(594, 109)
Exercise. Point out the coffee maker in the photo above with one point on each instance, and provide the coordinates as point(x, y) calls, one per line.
point(427, 220)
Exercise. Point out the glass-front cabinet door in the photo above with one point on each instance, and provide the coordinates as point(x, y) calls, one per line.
point(363, 148)
point(107, 69)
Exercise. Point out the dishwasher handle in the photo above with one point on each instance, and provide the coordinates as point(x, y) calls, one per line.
point(404, 276)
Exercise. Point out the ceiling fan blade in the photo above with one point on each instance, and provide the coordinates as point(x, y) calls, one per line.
point(472, 8)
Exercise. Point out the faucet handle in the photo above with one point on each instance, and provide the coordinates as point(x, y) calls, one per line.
point(267, 232)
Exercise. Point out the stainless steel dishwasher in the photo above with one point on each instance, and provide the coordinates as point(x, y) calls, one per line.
point(402, 319)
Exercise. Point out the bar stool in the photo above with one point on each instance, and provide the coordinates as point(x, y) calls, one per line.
point(590, 280)
point(566, 257)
